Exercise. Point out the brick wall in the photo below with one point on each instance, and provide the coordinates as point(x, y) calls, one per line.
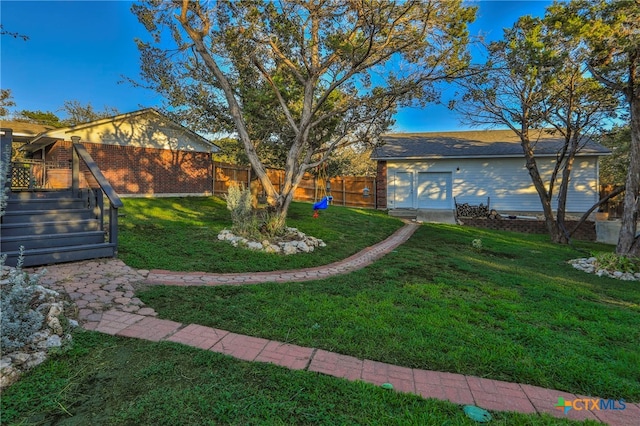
point(586, 232)
point(381, 185)
point(139, 171)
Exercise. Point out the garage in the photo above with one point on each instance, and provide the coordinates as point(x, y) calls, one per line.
point(434, 190)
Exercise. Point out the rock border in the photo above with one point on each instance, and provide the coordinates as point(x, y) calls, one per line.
point(293, 242)
point(588, 265)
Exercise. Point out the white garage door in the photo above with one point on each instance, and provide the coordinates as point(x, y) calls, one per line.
point(434, 190)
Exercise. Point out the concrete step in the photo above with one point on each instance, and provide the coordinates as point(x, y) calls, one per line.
point(404, 213)
point(436, 216)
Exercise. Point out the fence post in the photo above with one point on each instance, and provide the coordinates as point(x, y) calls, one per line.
point(344, 192)
point(375, 194)
point(213, 178)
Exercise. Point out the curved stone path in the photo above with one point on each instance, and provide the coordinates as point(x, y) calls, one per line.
point(350, 264)
point(103, 292)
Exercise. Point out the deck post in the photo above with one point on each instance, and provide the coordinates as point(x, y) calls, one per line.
point(113, 228)
point(75, 167)
point(5, 155)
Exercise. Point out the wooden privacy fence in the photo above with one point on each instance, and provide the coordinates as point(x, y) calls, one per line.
point(345, 190)
point(614, 206)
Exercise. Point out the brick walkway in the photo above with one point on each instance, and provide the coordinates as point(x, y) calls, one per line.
point(103, 292)
point(350, 264)
point(457, 388)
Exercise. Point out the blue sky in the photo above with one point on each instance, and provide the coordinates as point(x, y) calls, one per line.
point(80, 50)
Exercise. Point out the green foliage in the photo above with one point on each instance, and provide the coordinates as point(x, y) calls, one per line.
point(6, 101)
point(271, 224)
point(613, 168)
point(242, 216)
point(534, 82)
point(78, 113)
point(324, 78)
point(231, 151)
point(19, 314)
point(46, 118)
point(613, 262)
point(610, 30)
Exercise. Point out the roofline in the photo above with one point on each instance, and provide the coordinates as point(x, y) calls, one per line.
point(463, 157)
point(71, 129)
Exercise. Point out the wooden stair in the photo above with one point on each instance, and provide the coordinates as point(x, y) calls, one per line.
point(54, 227)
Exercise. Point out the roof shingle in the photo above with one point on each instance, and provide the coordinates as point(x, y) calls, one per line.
point(479, 144)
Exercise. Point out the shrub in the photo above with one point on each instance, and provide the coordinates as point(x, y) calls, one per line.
point(19, 293)
point(243, 219)
point(615, 262)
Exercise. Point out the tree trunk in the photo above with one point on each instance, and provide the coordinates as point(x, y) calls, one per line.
point(564, 187)
point(555, 232)
point(628, 243)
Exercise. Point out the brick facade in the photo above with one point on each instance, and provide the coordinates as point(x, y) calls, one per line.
point(145, 171)
point(586, 232)
point(381, 185)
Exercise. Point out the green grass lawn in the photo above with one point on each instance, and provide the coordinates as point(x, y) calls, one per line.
point(105, 380)
point(514, 311)
point(180, 234)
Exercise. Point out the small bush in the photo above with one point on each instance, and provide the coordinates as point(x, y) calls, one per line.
point(244, 220)
point(615, 262)
point(272, 225)
point(19, 294)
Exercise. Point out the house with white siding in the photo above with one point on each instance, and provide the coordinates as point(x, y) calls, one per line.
point(427, 170)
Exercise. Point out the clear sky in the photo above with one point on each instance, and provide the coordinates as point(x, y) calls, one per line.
point(83, 50)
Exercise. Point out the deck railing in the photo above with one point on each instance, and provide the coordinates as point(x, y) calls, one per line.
point(99, 185)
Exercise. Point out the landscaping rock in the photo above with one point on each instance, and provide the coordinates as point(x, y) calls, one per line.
point(35, 359)
point(252, 245)
point(588, 265)
point(53, 341)
point(54, 325)
point(18, 358)
point(292, 242)
point(50, 305)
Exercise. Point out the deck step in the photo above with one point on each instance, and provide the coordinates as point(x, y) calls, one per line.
point(47, 256)
point(46, 203)
point(41, 194)
point(51, 240)
point(53, 227)
point(56, 215)
point(17, 229)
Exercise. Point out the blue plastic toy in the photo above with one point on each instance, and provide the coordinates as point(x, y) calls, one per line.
point(322, 204)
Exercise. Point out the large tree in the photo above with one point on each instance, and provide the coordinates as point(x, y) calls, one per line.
point(46, 118)
point(611, 30)
point(534, 83)
point(6, 101)
point(313, 76)
point(78, 113)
